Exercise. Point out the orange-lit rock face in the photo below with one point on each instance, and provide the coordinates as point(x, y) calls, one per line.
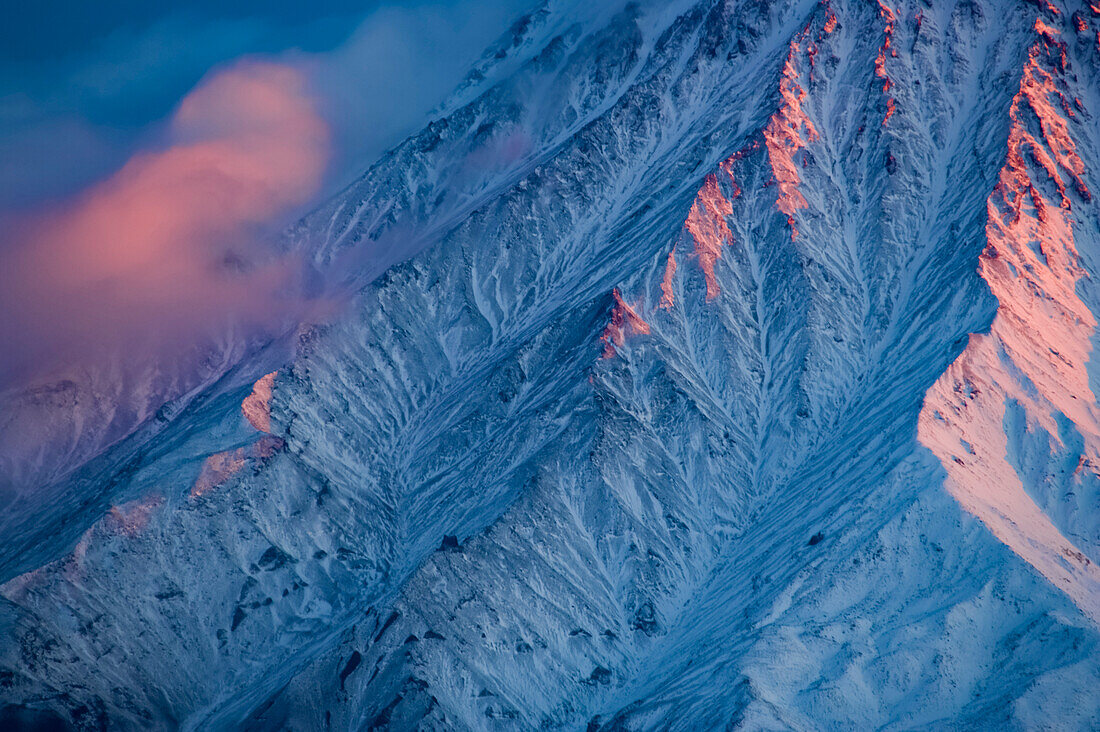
point(789, 130)
point(256, 408)
point(131, 518)
point(826, 29)
point(1036, 352)
point(167, 242)
point(706, 223)
point(624, 320)
point(257, 405)
point(220, 467)
point(123, 522)
point(667, 296)
point(880, 62)
point(1037, 90)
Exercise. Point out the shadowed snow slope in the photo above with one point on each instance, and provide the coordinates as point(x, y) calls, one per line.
point(741, 379)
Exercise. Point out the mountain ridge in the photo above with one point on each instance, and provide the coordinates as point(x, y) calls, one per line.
point(514, 488)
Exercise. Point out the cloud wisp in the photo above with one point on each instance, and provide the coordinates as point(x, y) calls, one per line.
point(165, 273)
point(170, 246)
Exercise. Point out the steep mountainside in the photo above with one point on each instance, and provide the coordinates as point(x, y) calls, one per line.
point(741, 379)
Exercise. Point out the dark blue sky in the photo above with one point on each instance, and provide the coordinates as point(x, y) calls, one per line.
point(97, 52)
point(84, 85)
point(41, 31)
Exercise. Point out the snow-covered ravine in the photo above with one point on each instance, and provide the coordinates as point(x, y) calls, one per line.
point(659, 427)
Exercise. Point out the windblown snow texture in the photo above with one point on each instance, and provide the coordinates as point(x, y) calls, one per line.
point(743, 378)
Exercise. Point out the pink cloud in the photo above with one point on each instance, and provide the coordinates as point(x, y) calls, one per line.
point(168, 249)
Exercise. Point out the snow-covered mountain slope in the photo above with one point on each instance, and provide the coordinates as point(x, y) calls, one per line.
point(692, 410)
